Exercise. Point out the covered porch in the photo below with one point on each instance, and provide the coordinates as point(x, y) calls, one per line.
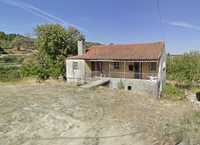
point(145, 70)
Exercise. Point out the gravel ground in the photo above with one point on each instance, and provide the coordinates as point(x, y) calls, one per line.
point(54, 113)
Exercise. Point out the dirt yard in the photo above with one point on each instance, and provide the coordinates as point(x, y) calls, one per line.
point(54, 113)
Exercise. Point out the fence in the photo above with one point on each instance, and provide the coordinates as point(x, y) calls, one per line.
point(128, 75)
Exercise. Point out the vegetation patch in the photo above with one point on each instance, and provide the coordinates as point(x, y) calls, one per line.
point(195, 89)
point(172, 92)
point(9, 73)
point(185, 68)
point(186, 130)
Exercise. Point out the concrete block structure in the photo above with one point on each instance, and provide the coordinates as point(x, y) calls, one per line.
point(136, 67)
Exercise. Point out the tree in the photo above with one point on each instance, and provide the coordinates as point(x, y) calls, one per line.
point(54, 44)
point(74, 36)
point(11, 37)
point(2, 36)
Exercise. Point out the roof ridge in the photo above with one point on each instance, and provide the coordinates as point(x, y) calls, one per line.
point(131, 44)
point(151, 50)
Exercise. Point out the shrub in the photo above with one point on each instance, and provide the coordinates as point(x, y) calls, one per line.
point(172, 92)
point(29, 67)
point(184, 68)
point(9, 73)
point(195, 89)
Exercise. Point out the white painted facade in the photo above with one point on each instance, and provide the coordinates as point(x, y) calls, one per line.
point(162, 71)
point(75, 70)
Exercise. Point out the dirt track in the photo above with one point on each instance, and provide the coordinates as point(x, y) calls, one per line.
point(57, 114)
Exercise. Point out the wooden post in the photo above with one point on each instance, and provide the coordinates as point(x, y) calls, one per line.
point(109, 69)
point(124, 69)
point(158, 69)
point(141, 74)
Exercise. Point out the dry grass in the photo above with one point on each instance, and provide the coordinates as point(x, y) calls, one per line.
point(54, 113)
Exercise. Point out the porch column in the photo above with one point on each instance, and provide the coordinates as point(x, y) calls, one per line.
point(108, 69)
point(158, 69)
point(124, 69)
point(141, 73)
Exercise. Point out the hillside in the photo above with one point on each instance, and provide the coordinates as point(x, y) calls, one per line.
point(16, 44)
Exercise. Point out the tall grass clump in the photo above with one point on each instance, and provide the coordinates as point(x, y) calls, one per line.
point(9, 73)
point(173, 93)
point(185, 130)
point(185, 68)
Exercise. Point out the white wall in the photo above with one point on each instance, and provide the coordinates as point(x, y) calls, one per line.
point(162, 70)
point(77, 75)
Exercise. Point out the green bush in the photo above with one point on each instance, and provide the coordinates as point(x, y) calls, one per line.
point(184, 68)
point(31, 68)
point(172, 92)
point(9, 73)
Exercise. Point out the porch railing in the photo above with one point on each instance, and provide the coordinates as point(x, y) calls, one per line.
point(128, 75)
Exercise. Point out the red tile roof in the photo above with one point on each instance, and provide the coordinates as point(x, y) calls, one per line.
point(146, 51)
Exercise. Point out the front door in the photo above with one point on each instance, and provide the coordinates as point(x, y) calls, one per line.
point(96, 68)
point(137, 70)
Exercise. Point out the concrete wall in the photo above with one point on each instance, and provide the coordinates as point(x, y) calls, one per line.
point(146, 87)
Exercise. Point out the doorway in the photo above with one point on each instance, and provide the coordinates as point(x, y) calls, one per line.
point(137, 70)
point(97, 68)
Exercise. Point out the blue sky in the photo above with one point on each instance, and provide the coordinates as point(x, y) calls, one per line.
point(111, 21)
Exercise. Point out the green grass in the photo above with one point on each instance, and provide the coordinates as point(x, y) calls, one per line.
point(10, 66)
point(171, 92)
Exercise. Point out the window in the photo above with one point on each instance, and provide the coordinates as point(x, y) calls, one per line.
point(152, 66)
point(75, 65)
point(130, 67)
point(116, 65)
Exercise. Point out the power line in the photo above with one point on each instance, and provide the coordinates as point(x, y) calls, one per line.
point(160, 18)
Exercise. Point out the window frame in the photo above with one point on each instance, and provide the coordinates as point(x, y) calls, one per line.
point(116, 65)
point(131, 66)
point(75, 65)
point(153, 66)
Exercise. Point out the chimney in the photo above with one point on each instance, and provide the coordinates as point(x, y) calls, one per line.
point(80, 47)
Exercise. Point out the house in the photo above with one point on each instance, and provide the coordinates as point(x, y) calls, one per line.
point(136, 67)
